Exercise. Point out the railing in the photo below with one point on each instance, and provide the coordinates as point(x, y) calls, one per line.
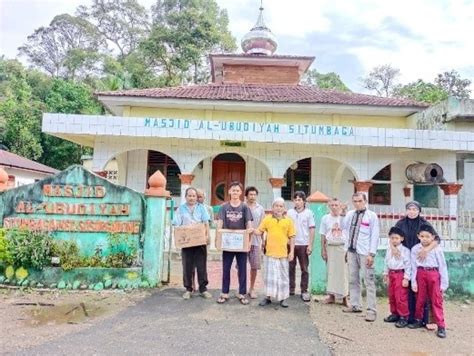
point(462, 239)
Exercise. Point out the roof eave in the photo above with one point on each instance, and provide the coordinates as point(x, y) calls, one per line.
point(115, 103)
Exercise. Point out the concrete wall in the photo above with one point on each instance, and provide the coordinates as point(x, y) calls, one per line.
point(23, 177)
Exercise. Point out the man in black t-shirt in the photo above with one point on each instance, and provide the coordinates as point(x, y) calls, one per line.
point(234, 215)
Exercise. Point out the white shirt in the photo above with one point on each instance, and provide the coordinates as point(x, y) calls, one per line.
point(303, 221)
point(435, 258)
point(369, 232)
point(258, 213)
point(401, 263)
point(328, 223)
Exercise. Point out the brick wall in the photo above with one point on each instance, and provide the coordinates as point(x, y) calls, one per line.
point(245, 74)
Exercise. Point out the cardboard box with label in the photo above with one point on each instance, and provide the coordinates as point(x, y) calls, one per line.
point(190, 235)
point(233, 240)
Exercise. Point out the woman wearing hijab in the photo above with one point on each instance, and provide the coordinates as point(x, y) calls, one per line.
point(410, 225)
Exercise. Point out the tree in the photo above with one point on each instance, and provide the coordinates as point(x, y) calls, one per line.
point(64, 48)
point(21, 113)
point(124, 23)
point(324, 81)
point(421, 91)
point(452, 83)
point(382, 80)
point(68, 98)
point(183, 33)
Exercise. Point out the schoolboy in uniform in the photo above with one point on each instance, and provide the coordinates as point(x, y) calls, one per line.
point(429, 279)
point(397, 273)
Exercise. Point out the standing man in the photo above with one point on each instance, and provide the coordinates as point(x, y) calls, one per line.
point(258, 213)
point(303, 220)
point(201, 197)
point(234, 215)
point(333, 252)
point(362, 228)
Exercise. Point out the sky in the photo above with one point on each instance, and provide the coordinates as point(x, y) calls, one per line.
point(349, 37)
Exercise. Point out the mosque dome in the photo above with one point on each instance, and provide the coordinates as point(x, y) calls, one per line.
point(260, 40)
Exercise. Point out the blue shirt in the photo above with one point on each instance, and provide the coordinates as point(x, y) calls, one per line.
point(184, 216)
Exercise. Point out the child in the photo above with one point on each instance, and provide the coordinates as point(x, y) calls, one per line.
point(429, 279)
point(280, 232)
point(397, 274)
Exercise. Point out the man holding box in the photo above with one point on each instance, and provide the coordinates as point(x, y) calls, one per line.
point(194, 257)
point(234, 215)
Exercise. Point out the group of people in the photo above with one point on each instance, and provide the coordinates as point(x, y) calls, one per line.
point(415, 268)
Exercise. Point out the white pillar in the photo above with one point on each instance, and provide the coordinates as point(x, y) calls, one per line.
point(451, 191)
point(186, 181)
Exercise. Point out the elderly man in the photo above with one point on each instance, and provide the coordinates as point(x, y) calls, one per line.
point(363, 230)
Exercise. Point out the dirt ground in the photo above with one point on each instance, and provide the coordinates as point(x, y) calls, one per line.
point(30, 318)
point(348, 334)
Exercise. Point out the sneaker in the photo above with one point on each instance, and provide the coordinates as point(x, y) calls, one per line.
point(392, 318)
point(284, 303)
point(306, 297)
point(206, 295)
point(401, 323)
point(352, 309)
point(441, 333)
point(370, 316)
point(265, 301)
point(416, 325)
point(187, 295)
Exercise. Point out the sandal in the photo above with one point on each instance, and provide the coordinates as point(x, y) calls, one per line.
point(222, 299)
point(243, 300)
point(329, 300)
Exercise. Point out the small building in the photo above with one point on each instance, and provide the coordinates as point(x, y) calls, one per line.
point(256, 124)
point(23, 171)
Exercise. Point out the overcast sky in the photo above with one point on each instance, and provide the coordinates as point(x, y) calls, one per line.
point(349, 37)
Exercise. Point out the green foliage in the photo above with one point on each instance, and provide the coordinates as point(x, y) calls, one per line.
point(452, 83)
point(5, 256)
point(421, 91)
point(122, 251)
point(68, 253)
point(29, 248)
point(324, 81)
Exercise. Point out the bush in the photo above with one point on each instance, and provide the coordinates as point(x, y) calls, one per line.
point(5, 256)
point(68, 253)
point(29, 248)
point(123, 252)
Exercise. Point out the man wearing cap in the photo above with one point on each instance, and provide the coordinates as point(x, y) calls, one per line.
point(362, 228)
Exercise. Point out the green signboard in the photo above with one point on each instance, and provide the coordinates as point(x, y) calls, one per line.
point(75, 204)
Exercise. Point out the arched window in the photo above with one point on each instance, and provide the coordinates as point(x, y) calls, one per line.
point(169, 168)
point(298, 177)
point(380, 193)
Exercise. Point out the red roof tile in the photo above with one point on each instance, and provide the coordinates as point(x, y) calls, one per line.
point(12, 160)
point(265, 93)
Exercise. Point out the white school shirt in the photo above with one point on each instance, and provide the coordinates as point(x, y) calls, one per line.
point(327, 223)
point(435, 258)
point(258, 213)
point(369, 232)
point(403, 262)
point(303, 222)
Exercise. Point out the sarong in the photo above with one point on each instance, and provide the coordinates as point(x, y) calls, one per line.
point(337, 271)
point(276, 277)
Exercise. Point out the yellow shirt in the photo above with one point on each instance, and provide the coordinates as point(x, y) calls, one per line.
point(279, 232)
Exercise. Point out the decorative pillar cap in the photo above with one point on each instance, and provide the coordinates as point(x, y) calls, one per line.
point(362, 186)
point(3, 180)
point(277, 182)
point(186, 178)
point(317, 197)
point(450, 188)
point(157, 184)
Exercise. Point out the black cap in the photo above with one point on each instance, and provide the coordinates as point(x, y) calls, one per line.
point(396, 230)
point(427, 228)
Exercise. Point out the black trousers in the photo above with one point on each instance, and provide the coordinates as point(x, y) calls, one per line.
point(195, 258)
point(227, 259)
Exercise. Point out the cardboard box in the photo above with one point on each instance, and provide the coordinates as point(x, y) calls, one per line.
point(233, 240)
point(190, 235)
